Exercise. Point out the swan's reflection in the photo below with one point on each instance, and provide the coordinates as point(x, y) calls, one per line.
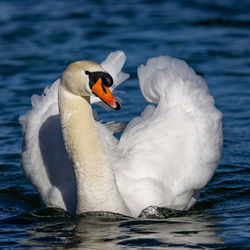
point(188, 231)
point(111, 231)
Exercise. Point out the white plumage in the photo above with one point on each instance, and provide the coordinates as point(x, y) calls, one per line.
point(164, 157)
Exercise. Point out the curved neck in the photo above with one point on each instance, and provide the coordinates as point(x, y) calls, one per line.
point(96, 186)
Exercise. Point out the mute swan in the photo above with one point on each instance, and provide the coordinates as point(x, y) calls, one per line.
point(163, 158)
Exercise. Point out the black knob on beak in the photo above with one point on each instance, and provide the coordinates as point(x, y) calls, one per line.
point(107, 79)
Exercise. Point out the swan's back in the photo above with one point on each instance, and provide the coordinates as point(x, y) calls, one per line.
point(172, 150)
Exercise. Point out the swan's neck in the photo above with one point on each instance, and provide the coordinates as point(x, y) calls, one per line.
point(96, 186)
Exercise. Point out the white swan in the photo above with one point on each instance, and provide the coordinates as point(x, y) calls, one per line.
point(163, 158)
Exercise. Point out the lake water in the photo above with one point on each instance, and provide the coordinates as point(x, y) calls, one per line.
point(37, 41)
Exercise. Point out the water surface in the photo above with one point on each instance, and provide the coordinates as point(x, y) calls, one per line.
point(37, 41)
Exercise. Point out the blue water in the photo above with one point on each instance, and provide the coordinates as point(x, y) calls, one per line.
point(37, 41)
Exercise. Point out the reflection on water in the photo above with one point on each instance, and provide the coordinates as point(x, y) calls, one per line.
point(113, 231)
point(175, 232)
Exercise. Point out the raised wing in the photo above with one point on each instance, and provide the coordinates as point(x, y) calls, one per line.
point(172, 150)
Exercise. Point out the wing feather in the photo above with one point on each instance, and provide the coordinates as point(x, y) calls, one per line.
point(172, 150)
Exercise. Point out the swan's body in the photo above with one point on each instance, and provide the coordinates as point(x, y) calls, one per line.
point(164, 157)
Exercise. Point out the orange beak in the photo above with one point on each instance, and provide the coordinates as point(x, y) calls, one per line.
point(103, 92)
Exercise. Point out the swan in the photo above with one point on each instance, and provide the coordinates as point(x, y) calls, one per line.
point(164, 157)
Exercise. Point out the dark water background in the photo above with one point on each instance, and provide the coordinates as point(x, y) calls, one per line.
point(39, 38)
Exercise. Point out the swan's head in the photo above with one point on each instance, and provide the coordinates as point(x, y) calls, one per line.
point(85, 78)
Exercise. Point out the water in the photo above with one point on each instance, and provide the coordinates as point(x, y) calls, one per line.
point(39, 38)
